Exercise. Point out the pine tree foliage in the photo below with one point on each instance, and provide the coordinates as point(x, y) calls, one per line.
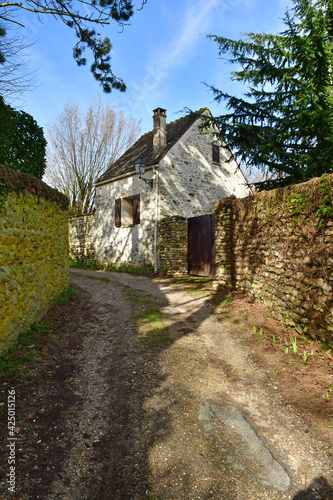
point(84, 17)
point(283, 125)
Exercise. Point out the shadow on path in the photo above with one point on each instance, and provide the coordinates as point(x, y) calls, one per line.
point(131, 433)
point(319, 489)
point(136, 425)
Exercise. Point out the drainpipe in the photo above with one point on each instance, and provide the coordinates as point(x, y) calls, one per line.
point(156, 220)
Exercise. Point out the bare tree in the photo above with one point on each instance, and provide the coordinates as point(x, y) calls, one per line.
point(82, 147)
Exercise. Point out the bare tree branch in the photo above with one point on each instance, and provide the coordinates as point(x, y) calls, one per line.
point(14, 78)
point(82, 147)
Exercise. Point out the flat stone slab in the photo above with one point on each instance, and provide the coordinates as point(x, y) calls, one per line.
point(235, 420)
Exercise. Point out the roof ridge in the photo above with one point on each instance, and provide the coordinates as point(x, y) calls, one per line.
point(143, 147)
point(194, 113)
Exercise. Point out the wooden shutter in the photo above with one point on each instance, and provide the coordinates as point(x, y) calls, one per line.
point(118, 212)
point(216, 153)
point(136, 209)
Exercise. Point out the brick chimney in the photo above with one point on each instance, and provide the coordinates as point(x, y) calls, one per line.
point(159, 132)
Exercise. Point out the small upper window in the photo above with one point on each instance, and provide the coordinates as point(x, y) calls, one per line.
point(216, 153)
point(127, 211)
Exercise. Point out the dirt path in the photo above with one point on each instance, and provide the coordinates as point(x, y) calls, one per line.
point(152, 397)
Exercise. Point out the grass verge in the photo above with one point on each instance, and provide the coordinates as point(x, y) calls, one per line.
point(149, 320)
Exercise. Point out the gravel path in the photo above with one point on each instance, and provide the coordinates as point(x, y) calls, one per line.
point(165, 403)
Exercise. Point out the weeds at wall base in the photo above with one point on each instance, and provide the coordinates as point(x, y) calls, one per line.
point(18, 360)
point(292, 354)
point(297, 351)
point(121, 269)
point(77, 264)
point(69, 296)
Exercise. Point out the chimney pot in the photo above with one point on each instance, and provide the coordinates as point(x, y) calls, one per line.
point(159, 132)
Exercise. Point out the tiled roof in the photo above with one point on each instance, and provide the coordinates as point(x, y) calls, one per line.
point(143, 148)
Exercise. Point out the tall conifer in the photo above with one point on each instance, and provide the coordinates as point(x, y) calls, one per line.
point(284, 123)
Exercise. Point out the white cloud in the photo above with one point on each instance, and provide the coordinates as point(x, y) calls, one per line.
point(196, 20)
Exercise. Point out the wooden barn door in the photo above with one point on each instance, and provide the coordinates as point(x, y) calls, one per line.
point(201, 245)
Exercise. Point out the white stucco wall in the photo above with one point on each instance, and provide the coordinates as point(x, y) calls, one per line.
point(125, 245)
point(190, 182)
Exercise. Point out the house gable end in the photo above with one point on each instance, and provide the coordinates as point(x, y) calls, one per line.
point(143, 148)
point(191, 179)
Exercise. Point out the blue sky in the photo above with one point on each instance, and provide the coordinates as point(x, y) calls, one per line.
point(163, 56)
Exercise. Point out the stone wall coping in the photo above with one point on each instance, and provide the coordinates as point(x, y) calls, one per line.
point(13, 180)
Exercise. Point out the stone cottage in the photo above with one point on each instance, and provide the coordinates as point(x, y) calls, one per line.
point(178, 169)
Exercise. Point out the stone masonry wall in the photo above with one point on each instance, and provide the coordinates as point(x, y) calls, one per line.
point(279, 247)
point(172, 246)
point(33, 251)
point(82, 238)
point(190, 182)
point(224, 243)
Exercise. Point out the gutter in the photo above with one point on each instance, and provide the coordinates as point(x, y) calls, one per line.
point(123, 176)
point(156, 172)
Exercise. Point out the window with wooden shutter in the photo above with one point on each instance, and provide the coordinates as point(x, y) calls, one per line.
point(118, 212)
point(127, 211)
point(136, 209)
point(216, 153)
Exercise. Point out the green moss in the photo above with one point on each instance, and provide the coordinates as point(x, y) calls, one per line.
point(33, 262)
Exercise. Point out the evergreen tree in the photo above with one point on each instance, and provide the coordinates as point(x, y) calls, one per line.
point(22, 142)
point(284, 123)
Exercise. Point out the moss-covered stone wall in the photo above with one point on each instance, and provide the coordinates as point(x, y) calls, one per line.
point(279, 246)
point(33, 251)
